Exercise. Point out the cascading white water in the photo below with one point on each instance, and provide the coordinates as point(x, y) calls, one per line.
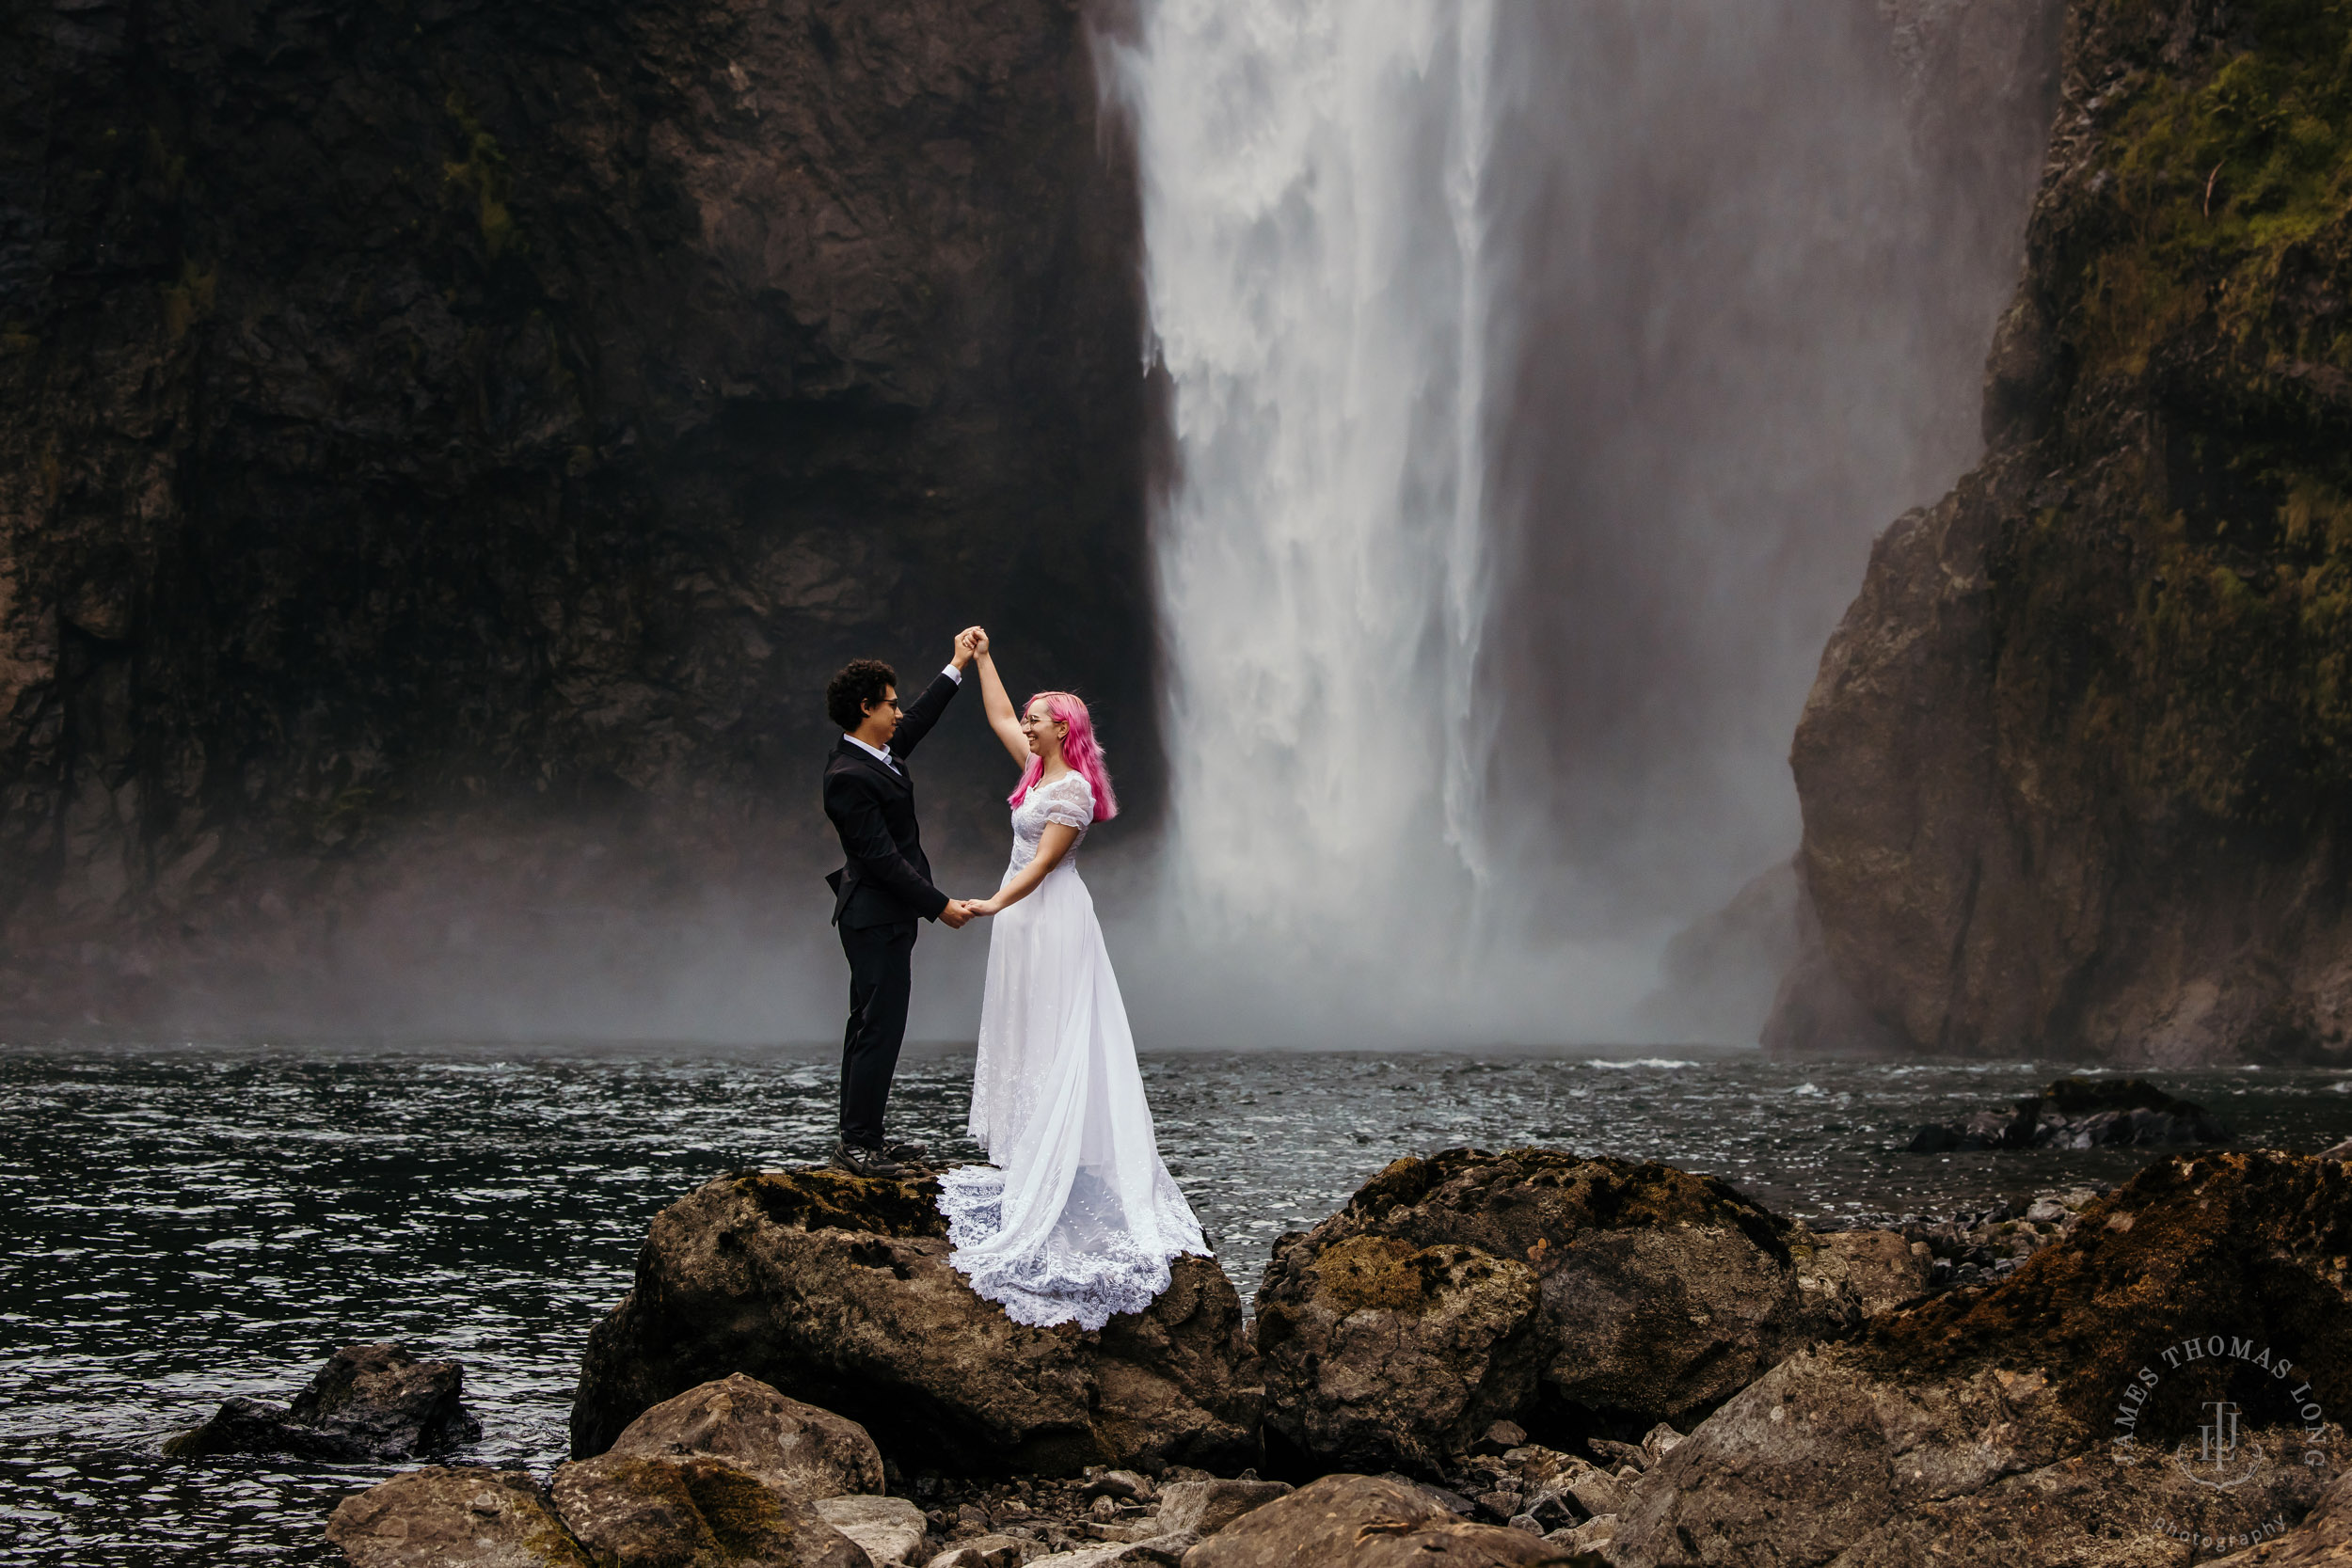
point(1540, 372)
point(1315, 173)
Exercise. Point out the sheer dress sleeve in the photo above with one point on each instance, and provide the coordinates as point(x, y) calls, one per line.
point(1072, 804)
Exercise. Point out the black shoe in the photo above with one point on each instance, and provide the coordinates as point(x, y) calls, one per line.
point(909, 1154)
point(865, 1162)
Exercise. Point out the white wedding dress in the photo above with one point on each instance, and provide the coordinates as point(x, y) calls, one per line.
point(1075, 1217)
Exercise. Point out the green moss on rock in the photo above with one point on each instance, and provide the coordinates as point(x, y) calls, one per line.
point(2196, 266)
point(836, 1200)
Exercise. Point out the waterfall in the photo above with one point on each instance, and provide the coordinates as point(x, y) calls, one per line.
point(1539, 375)
point(1314, 175)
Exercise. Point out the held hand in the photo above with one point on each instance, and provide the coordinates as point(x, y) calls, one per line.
point(979, 648)
point(981, 905)
point(955, 914)
point(968, 642)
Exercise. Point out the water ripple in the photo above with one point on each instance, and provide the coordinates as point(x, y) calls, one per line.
point(180, 1226)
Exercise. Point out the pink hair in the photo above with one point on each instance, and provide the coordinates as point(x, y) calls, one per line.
point(1077, 749)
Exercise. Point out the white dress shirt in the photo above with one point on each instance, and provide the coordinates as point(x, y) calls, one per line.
point(881, 754)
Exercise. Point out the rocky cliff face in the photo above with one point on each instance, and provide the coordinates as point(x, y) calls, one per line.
point(2077, 774)
point(444, 447)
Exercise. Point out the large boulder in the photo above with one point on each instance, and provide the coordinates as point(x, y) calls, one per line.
point(1579, 1295)
point(2174, 1364)
point(835, 1290)
point(797, 1449)
point(442, 1518)
point(1346, 1521)
point(369, 1402)
point(691, 1512)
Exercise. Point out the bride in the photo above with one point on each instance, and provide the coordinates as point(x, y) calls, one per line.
point(1073, 1217)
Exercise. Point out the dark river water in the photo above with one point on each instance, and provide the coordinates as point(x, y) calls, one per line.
point(180, 1224)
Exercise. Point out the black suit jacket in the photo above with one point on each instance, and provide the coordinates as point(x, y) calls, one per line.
point(886, 879)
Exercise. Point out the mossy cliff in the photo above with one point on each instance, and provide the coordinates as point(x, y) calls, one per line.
point(444, 447)
point(2076, 772)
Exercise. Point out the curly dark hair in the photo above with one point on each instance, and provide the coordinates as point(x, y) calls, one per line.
point(857, 683)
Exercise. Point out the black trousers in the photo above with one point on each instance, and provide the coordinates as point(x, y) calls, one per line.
point(880, 976)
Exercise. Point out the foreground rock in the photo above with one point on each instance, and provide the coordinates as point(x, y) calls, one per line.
point(837, 1290)
point(369, 1402)
point(1348, 1521)
point(1205, 1507)
point(2324, 1540)
point(440, 1518)
point(1467, 1288)
point(2053, 1418)
point(2079, 1112)
point(890, 1530)
point(664, 1513)
point(797, 1449)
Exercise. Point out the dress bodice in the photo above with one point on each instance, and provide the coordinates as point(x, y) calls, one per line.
point(1069, 799)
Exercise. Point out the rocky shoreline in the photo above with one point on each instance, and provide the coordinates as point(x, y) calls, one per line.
point(1524, 1356)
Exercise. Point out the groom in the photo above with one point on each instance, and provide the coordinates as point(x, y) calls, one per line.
point(884, 888)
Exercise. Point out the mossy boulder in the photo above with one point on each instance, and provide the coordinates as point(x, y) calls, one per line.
point(2062, 1416)
point(835, 1290)
point(691, 1512)
point(447, 1518)
point(796, 1448)
point(1572, 1295)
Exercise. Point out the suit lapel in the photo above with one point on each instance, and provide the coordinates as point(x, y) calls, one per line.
point(896, 777)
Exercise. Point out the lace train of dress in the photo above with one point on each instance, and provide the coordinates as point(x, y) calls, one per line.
point(1075, 1217)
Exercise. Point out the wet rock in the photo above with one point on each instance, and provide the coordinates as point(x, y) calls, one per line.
point(2053, 1417)
point(2324, 1540)
point(967, 1556)
point(891, 1529)
point(1597, 1535)
point(1501, 1437)
point(369, 1402)
point(1380, 1352)
point(1124, 1485)
point(1153, 1551)
point(2079, 1112)
point(837, 1290)
point(1205, 1507)
point(796, 1447)
point(988, 1551)
point(1349, 1521)
point(443, 1518)
point(691, 1512)
point(1533, 1286)
point(1882, 1270)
